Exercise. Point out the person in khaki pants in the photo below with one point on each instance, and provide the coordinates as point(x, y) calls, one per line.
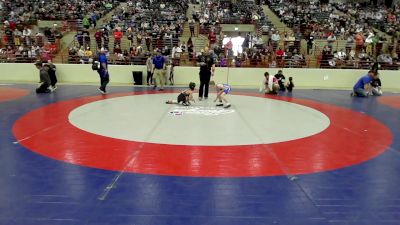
point(159, 70)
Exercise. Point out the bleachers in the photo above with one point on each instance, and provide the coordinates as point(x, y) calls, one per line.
point(239, 13)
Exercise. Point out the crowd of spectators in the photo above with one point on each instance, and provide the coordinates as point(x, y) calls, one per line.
point(313, 16)
point(367, 51)
point(382, 18)
point(338, 19)
point(212, 13)
point(133, 31)
point(21, 44)
point(222, 11)
point(27, 11)
point(353, 22)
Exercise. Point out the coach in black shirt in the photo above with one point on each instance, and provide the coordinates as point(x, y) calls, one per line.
point(207, 68)
point(281, 80)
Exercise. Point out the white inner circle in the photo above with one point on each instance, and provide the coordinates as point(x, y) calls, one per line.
point(250, 120)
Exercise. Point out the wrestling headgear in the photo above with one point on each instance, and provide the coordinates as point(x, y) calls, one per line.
point(192, 85)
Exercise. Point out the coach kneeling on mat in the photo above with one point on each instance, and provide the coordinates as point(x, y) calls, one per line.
point(363, 86)
point(44, 78)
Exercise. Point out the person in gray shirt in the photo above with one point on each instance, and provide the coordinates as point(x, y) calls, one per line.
point(45, 82)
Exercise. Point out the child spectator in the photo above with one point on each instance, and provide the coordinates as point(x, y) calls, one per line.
point(290, 85)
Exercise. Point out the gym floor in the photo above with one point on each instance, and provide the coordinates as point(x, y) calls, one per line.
point(76, 157)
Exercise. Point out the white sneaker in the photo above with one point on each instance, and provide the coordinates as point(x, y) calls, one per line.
point(227, 105)
point(101, 91)
point(200, 98)
point(54, 87)
point(51, 88)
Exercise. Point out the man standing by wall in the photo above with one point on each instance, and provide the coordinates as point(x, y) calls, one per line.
point(44, 78)
point(158, 70)
point(103, 71)
point(149, 65)
point(207, 68)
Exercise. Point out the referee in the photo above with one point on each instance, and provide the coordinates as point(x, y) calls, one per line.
point(207, 68)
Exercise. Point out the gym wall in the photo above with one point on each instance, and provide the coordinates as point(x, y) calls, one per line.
point(246, 77)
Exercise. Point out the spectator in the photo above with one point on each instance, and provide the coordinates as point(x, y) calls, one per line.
point(359, 38)
point(349, 43)
point(106, 39)
point(280, 56)
point(149, 65)
point(212, 38)
point(191, 27)
point(26, 35)
point(331, 39)
point(368, 43)
point(118, 36)
point(88, 55)
point(130, 36)
point(290, 85)
point(190, 48)
point(229, 48)
point(258, 42)
point(98, 36)
point(310, 44)
point(275, 38)
point(86, 23)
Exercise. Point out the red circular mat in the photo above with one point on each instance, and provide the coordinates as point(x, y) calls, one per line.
point(351, 138)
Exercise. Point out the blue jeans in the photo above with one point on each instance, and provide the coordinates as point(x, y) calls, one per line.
point(104, 79)
point(360, 92)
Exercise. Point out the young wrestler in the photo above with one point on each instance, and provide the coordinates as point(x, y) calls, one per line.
point(376, 86)
point(222, 90)
point(185, 96)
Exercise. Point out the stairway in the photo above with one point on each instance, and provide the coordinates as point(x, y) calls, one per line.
point(69, 38)
point(281, 27)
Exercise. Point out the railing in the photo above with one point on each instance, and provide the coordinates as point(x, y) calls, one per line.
point(48, 51)
point(186, 59)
